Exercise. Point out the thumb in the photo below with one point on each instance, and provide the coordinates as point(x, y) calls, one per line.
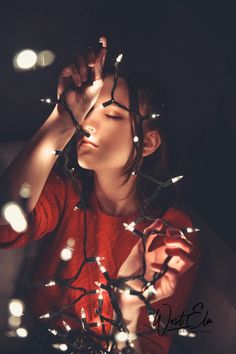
point(100, 60)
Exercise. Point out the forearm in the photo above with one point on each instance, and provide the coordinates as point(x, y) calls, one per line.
point(35, 162)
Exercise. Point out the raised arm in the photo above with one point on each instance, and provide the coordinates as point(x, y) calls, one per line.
point(35, 162)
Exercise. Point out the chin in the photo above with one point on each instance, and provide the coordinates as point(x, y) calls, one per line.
point(84, 164)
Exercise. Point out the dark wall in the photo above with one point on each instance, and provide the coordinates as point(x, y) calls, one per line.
point(188, 45)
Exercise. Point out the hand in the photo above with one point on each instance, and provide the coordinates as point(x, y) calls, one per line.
point(172, 243)
point(83, 95)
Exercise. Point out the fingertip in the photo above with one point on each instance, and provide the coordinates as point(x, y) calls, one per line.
point(103, 41)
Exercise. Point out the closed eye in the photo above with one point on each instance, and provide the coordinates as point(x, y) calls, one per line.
point(114, 117)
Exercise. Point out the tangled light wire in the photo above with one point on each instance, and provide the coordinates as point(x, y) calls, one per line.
point(86, 340)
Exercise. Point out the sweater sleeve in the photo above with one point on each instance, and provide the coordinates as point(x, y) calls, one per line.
point(160, 342)
point(44, 217)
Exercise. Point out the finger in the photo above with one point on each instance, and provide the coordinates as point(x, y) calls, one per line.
point(81, 67)
point(167, 285)
point(90, 57)
point(172, 232)
point(172, 277)
point(180, 260)
point(177, 242)
point(100, 59)
point(154, 242)
point(76, 76)
point(157, 225)
point(103, 41)
point(65, 79)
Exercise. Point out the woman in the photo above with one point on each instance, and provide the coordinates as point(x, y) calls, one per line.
point(118, 137)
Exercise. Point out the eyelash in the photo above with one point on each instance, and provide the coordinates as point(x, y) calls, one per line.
point(114, 117)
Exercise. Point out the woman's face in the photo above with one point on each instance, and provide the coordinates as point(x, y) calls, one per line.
point(110, 142)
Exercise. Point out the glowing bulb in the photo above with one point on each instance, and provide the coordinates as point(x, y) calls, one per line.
point(51, 283)
point(70, 242)
point(176, 179)
point(155, 115)
point(190, 229)
point(83, 313)
point(191, 335)
point(16, 307)
point(45, 58)
point(130, 226)
point(25, 60)
point(183, 332)
point(47, 100)
point(25, 190)
point(119, 58)
point(121, 337)
point(98, 284)
point(60, 346)
point(67, 327)
point(53, 331)
point(132, 337)
point(47, 315)
point(151, 290)
point(14, 321)
point(66, 254)
point(14, 215)
point(151, 318)
point(102, 269)
point(135, 139)
point(22, 332)
point(100, 258)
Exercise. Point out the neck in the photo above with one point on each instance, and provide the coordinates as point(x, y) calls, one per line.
point(113, 197)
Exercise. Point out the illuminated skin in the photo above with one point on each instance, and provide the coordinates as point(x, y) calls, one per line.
point(110, 130)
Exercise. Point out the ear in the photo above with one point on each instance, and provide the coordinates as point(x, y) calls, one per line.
point(152, 141)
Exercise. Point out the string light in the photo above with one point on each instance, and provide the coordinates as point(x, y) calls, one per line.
point(151, 319)
point(189, 230)
point(155, 115)
point(45, 58)
point(183, 332)
point(16, 307)
point(14, 321)
point(51, 283)
point(22, 332)
point(67, 327)
point(83, 318)
point(53, 331)
point(119, 58)
point(60, 346)
point(14, 215)
point(131, 228)
point(48, 100)
point(66, 254)
point(121, 337)
point(25, 60)
point(47, 315)
point(111, 287)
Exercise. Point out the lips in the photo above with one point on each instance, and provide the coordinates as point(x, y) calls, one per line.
point(87, 142)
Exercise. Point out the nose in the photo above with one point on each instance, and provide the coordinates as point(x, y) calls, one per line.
point(90, 123)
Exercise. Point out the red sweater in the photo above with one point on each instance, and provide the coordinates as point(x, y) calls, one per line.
point(54, 214)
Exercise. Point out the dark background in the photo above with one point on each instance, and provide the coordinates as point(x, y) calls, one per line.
point(188, 45)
